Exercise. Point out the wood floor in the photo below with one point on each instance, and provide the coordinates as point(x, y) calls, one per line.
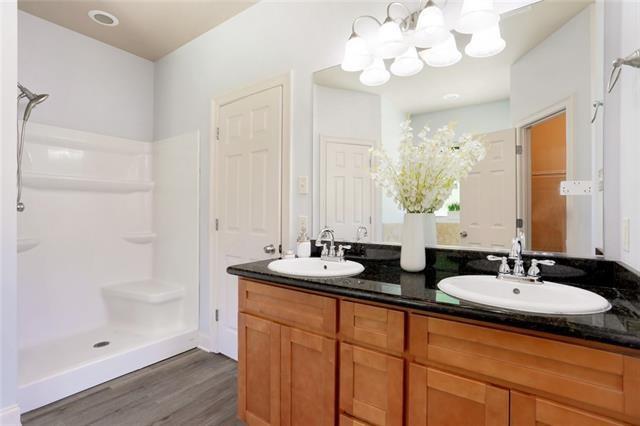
point(194, 388)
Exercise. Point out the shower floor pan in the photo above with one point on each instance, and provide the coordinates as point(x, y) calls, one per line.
point(62, 367)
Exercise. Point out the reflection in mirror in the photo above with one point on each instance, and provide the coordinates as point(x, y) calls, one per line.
point(531, 107)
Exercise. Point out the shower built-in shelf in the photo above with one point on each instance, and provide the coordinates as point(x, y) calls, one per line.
point(140, 237)
point(76, 183)
point(25, 244)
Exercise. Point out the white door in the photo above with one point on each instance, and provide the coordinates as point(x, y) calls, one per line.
point(248, 191)
point(346, 180)
point(488, 195)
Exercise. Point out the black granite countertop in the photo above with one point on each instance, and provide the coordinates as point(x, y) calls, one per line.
point(384, 281)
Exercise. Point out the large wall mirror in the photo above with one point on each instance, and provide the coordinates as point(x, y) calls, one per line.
point(532, 106)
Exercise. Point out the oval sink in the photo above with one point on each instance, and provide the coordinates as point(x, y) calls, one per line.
point(315, 267)
point(541, 298)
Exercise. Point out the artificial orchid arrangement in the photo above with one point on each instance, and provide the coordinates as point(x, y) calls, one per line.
point(425, 172)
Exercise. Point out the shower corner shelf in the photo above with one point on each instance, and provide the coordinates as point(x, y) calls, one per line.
point(77, 183)
point(140, 237)
point(26, 244)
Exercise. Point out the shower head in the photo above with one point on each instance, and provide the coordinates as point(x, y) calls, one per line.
point(33, 98)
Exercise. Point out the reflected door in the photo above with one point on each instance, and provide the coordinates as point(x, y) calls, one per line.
point(488, 195)
point(247, 194)
point(346, 181)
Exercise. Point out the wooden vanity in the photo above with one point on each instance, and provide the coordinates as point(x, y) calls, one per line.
point(310, 359)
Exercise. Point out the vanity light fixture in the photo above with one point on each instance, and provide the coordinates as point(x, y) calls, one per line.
point(420, 34)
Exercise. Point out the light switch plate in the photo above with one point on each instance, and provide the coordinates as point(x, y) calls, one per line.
point(626, 234)
point(576, 187)
point(303, 185)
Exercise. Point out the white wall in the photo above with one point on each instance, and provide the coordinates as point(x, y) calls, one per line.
point(175, 217)
point(555, 70)
point(94, 87)
point(622, 130)
point(474, 119)
point(266, 40)
point(391, 131)
point(9, 413)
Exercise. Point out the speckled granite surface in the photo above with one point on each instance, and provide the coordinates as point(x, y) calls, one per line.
point(384, 281)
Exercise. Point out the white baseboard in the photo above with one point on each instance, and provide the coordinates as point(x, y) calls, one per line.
point(10, 416)
point(204, 342)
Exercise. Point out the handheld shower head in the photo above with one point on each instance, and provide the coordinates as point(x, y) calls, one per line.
point(34, 99)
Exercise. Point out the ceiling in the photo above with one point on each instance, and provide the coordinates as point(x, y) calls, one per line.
point(148, 28)
point(475, 80)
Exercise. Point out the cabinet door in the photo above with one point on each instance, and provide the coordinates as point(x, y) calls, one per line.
point(308, 378)
point(437, 398)
point(258, 371)
point(529, 410)
point(371, 385)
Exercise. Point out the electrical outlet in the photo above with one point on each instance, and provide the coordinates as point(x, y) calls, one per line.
point(303, 223)
point(303, 185)
point(626, 234)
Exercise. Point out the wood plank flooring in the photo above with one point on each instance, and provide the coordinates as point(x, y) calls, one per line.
point(193, 388)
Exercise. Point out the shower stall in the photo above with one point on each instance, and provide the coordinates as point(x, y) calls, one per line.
point(108, 256)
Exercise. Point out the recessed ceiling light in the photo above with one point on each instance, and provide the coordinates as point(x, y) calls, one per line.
point(451, 97)
point(103, 18)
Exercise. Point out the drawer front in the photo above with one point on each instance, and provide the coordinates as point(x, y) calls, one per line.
point(528, 410)
point(302, 310)
point(349, 421)
point(373, 326)
point(371, 385)
point(599, 378)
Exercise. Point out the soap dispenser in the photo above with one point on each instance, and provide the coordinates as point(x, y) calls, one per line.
point(303, 246)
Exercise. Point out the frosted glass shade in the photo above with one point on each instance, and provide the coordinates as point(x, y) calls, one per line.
point(356, 55)
point(442, 55)
point(375, 74)
point(391, 42)
point(477, 15)
point(407, 64)
point(430, 29)
point(485, 43)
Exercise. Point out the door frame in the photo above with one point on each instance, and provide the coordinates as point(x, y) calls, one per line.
point(375, 198)
point(284, 82)
point(523, 169)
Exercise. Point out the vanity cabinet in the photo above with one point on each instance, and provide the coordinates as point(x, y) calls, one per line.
point(310, 359)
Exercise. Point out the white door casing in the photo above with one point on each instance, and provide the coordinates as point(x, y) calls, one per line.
point(248, 196)
point(346, 189)
point(488, 195)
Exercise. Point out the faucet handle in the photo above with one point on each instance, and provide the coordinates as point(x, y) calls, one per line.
point(534, 271)
point(341, 250)
point(504, 265)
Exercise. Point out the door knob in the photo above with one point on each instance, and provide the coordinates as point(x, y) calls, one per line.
point(464, 234)
point(270, 249)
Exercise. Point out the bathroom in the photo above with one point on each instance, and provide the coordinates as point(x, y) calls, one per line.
point(133, 202)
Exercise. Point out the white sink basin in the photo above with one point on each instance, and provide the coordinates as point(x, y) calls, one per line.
point(545, 298)
point(314, 267)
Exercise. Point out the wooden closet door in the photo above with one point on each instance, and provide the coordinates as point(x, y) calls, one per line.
point(371, 385)
point(308, 378)
point(437, 398)
point(529, 410)
point(258, 371)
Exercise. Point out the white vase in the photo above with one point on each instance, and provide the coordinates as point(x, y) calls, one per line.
point(412, 257)
point(430, 230)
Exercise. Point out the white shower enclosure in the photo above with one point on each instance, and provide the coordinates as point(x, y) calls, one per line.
point(108, 258)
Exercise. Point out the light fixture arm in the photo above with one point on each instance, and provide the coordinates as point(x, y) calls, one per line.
point(355, 21)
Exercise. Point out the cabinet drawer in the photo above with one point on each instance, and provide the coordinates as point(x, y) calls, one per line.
point(599, 378)
point(349, 421)
point(528, 410)
point(301, 310)
point(373, 326)
point(371, 385)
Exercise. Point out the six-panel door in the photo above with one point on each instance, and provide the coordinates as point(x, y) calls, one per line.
point(371, 385)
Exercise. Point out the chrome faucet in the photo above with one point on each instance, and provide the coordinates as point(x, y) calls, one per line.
point(518, 273)
point(361, 233)
point(330, 254)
